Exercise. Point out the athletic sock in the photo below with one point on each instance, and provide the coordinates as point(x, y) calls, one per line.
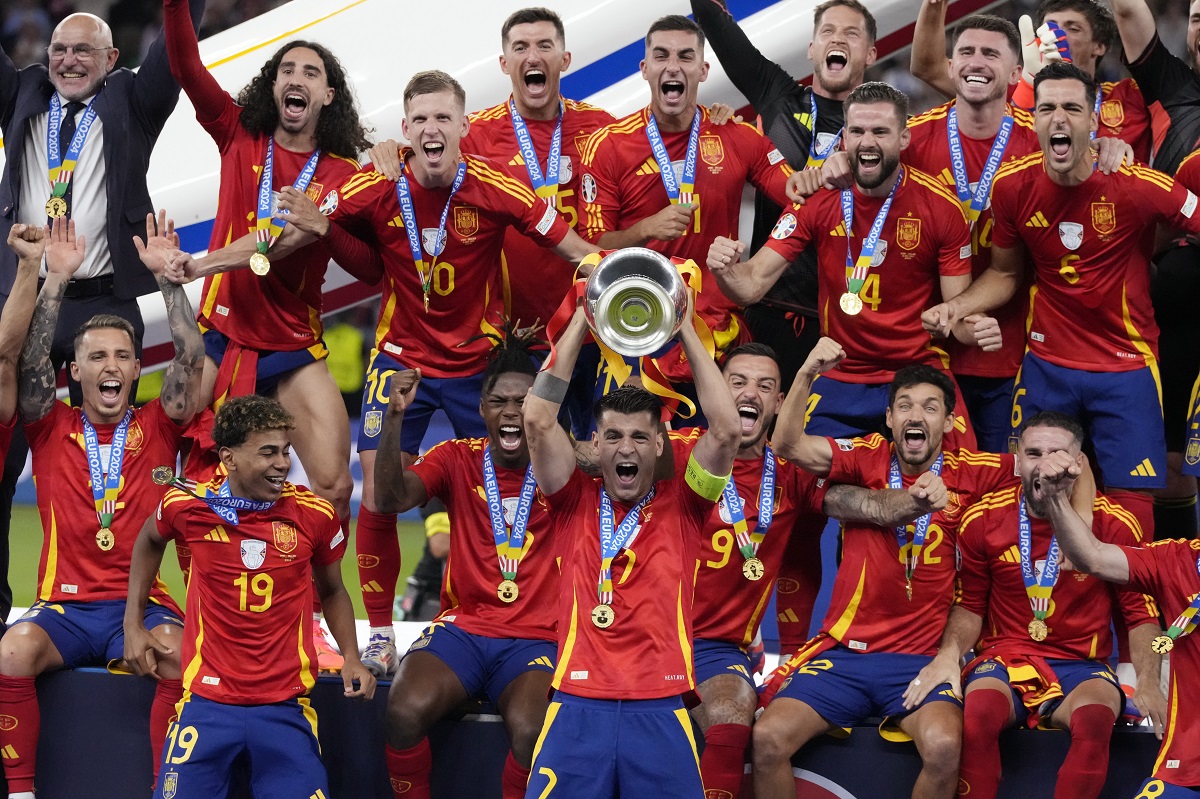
point(1083, 772)
point(723, 762)
point(514, 779)
point(1175, 517)
point(798, 584)
point(19, 740)
point(162, 712)
point(408, 770)
point(378, 563)
point(985, 715)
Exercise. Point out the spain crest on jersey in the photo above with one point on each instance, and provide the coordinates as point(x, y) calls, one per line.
point(314, 191)
point(372, 423)
point(170, 784)
point(466, 221)
point(1071, 235)
point(712, 150)
point(784, 227)
point(134, 438)
point(1104, 218)
point(285, 536)
point(254, 553)
point(1112, 114)
point(1192, 454)
point(908, 233)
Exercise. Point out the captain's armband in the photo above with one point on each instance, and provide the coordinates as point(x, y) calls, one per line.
point(550, 388)
point(706, 485)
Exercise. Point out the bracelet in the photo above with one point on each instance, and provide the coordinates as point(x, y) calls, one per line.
point(707, 485)
point(550, 388)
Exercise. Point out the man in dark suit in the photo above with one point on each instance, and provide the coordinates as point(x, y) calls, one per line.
point(105, 193)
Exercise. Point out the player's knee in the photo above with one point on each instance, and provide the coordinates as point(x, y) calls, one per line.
point(772, 742)
point(406, 725)
point(22, 654)
point(523, 731)
point(941, 749)
point(734, 708)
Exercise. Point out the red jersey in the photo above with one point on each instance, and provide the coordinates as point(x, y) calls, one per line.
point(929, 151)
point(1168, 570)
point(453, 472)
point(1188, 174)
point(622, 185)
point(292, 289)
point(647, 651)
point(466, 295)
point(73, 567)
point(924, 237)
point(1124, 116)
point(247, 636)
point(869, 610)
point(535, 278)
point(1090, 246)
point(1081, 606)
point(6, 434)
point(728, 606)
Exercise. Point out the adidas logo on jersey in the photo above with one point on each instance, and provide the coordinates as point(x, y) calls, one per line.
point(218, 535)
point(1143, 469)
point(1038, 220)
point(1011, 555)
point(542, 661)
point(839, 231)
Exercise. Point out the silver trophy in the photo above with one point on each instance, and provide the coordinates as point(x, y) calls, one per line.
point(635, 301)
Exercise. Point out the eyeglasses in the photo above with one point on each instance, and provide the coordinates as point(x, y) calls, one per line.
point(84, 52)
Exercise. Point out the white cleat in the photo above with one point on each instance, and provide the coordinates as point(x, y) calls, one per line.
point(380, 656)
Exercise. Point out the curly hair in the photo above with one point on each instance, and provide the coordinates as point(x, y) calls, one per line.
point(241, 417)
point(339, 130)
point(514, 352)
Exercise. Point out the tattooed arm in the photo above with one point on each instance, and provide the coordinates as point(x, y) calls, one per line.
point(35, 381)
point(180, 393)
point(886, 507)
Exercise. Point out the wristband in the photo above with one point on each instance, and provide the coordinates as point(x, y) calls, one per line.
point(550, 388)
point(709, 486)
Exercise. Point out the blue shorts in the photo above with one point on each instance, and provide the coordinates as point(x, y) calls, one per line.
point(843, 410)
point(1158, 789)
point(600, 749)
point(989, 404)
point(714, 658)
point(1191, 450)
point(87, 633)
point(279, 741)
point(1069, 673)
point(457, 396)
point(485, 666)
point(272, 366)
point(846, 687)
point(1121, 411)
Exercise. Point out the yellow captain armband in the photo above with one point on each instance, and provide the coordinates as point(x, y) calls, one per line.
point(706, 485)
point(437, 523)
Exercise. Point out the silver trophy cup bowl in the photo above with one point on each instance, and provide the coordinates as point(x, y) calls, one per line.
point(635, 301)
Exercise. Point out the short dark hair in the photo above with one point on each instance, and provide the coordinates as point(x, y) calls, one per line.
point(1104, 26)
point(1055, 419)
point(853, 5)
point(675, 22)
point(754, 348)
point(432, 81)
point(528, 16)
point(922, 374)
point(241, 417)
point(875, 91)
point(627, 400)
point(992, 24)
point(1061, 70)
point(105, 321)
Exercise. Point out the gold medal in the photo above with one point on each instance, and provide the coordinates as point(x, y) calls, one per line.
point(1162, 644)
point(162, 475)
point(260, 264)
point(105, 539)
point(851, 303)
point(507, 591)
point(602, 616)
point(1038, 630)
point(753, 569)
point(426, 302)
point(908, 589)
point(56, 207)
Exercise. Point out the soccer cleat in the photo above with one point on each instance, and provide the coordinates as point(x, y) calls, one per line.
point(328, 658)
point(380, 656)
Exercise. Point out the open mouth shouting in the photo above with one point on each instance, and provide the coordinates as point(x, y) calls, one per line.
point(672, 91)
point(536, 83)
point(750, 414)
point(914, 442)
point(836, 61)
point(1060, 146)
point(110, 391)
point(627, 473)
point(510, 437)
point(295, 104)
point(433, 150)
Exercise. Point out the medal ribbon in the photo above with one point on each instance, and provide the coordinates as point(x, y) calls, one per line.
point(107, 485)
point(920, 527)
point(748, 543)
point(1037, 588)
point(613, 541)
point(545, 187)
point(223, 503)
point(677, 192)
point(267, 228)
point(1186, 621)
point(62, 167)
point(509, 545)
point(409, 216)
point(817, 154)
point(975, 203)
point(857, 270)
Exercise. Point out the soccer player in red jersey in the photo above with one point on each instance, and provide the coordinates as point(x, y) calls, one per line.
point(94, 492)
point(495, 636)
point(667, 178)
point(29, 243)
point(1089, 237)
point(257, 543)
point(629, 550)
point(1169, 571)
point(893, 589)
point(1041, 661)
